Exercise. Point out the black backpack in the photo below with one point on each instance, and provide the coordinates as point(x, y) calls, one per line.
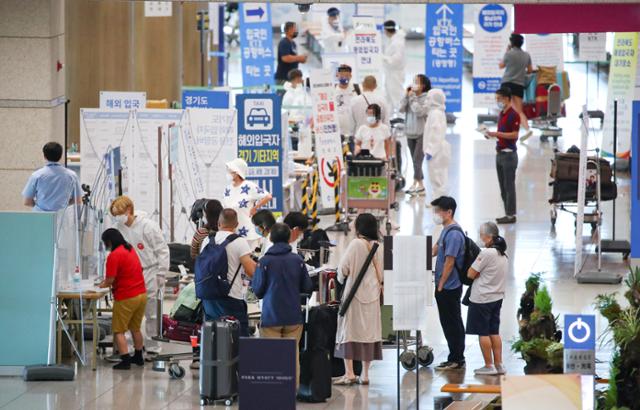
point(471, 252)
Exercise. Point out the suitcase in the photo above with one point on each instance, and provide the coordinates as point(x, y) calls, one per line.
point(315, 358)
point(566, 167)
point(219, 352)
point(337, 364)
point(178, 331)
point(180, 254)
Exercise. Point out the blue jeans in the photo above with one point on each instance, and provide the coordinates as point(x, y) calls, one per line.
point(217, 308)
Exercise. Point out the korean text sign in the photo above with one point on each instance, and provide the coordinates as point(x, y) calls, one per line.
point(366, 45)
point(123, 100)
point(256, 44)
point(205, 99)
point(490, 41)
point(444, 51)
point(260, 142)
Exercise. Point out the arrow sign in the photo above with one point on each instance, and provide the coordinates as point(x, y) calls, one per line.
point(259, 12)
point(444, 9)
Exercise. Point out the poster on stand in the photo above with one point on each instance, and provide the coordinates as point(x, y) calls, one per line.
point(327, 133)
point(123, 100)
point(545, 50)
point(366, 45)
point(260, 143)
point(622, 82)
point(490, 41)
point(592, 47)
point(256, 44)
point(443, 42)
point(372, 10)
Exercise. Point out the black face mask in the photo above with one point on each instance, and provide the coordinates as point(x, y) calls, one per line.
point(294, 35)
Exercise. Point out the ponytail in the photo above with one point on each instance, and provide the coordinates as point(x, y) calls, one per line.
point(499, 244)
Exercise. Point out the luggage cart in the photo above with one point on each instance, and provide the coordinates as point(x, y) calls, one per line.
point(369, 184)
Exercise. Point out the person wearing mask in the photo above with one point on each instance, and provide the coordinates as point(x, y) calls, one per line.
point(212, 210)
point(288, 58)
point(280, 277)
point(517, 64)
point(359, 335)
point(123, 274)
point(436, 149)
point(414, 106)
point(489, 273)
point(369, 95)
point(298, 223)
point(449, 252)
point(264, 221)
point(506, 153)
point(239, 261)
point(333, 34)
point(296, 96)
point(393, 61)
point(52, 187)
point(147, 239)
point(245, 197)
point(375, 136)
point(346, 91)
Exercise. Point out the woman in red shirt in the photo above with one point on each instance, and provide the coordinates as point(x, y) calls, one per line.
point(124, 276)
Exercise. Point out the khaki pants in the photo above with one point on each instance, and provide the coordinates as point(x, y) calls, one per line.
point(286, 332)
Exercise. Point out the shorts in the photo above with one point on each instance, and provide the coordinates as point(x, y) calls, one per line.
point(483, 319)
point(517, 90)
point(128, 313)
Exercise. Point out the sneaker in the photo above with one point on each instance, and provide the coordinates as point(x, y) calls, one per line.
point(506, 220)
point(526, 136)
point(486, 371)
point(410, 190)
point(125, 363)
point(114, 358)
point(137, 358)
point(500, 369)
point(419, 191)
point(457, 365)
point(443, 365)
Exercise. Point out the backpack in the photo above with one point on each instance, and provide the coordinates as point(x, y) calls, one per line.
point(187, 307)
point(313, 241)
point(211, 268)
point(471, 252)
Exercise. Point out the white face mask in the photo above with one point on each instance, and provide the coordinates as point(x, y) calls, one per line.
point(416, 87)
point(371, 120)
point(480, 243)
point(437, 219)
point(229, 178)
point(121, 219)
point(501, 105)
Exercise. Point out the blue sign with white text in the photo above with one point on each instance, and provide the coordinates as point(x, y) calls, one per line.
point(205, 99)
point(580, 332)
point(492, 18)
point(444, 51)
point(256, 44)
point(260, 142)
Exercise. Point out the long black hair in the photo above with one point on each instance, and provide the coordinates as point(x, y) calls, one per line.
point(112, 238)
point(212, 210)
point(425, 82)
point(499, 244)
point(367, 226)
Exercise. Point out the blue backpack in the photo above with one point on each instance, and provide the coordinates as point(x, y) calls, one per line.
point(211, 268)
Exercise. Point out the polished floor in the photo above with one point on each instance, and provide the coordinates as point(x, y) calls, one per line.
point(534, 246)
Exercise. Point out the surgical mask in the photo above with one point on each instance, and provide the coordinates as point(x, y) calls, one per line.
point(416, 87)
point(335, 24)
point(229, 178)
point(295, 34)
point(501, 105)
point(343, 81)
point(121, 219)
point(437, 219)
point(371, 120)
point(480, 243)
point(258, 231)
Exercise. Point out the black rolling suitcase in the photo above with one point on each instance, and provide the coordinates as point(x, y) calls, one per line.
point(219, 350)
point(315, 358)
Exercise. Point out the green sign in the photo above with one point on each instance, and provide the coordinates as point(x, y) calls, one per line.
point(368, 188)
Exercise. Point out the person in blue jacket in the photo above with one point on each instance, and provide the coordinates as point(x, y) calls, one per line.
point(280, 277)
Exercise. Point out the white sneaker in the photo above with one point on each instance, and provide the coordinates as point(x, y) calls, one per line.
point(486, 371)
point(526, 136)
point(500, 369)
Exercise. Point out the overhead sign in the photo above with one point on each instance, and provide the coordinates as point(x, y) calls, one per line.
point(592, 47)
point(580, 344)
point(366, 44)
point(260, 142)
point(443, 42)
point(545, 50)
point(194, 98)
point(327, 133)
point(123, 100)
point(490, 40)
point(256, 44)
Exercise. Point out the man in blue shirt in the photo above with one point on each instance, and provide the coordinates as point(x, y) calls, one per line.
point(52, 187)
point(450, 253)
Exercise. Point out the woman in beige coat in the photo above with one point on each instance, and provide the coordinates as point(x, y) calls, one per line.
point(359, 334)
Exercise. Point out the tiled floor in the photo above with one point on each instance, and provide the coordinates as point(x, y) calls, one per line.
point(533, 247)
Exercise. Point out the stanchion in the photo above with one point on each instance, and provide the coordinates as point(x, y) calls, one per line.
point(305, 196)
point(340, 224)
point(314, 199)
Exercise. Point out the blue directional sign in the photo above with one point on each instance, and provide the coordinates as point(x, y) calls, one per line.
point(260, 142)
point(444, 51)
point(580, 332)
point(198, 98)
point(256, 45)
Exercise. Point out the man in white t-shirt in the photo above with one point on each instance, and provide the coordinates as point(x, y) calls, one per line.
point(346, 91)
point(369, 96)
point(374, 136)
point(239, 260)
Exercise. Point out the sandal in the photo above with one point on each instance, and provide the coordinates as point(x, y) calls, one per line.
point(345, 381)
point(363, 382)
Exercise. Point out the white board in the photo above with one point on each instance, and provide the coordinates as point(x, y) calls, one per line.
point(545, 50)
point(592, 47)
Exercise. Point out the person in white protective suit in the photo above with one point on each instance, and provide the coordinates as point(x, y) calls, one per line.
point(333, 34)
point(296, 95)
point(146, 237)
point(436, 148)
point(394, 62)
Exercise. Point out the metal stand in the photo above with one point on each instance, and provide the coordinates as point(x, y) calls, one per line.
point(612, 245)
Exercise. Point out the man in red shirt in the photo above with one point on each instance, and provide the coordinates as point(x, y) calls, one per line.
point(124, 276)
point(506, 153)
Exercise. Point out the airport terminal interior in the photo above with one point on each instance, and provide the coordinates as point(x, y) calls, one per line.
point(516, 122)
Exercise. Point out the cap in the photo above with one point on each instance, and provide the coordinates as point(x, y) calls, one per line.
point(390, 25)
point(239, 166)
point(332, 12)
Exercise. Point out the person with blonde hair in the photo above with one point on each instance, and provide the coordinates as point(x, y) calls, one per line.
point(147, 239)
point(369, 96)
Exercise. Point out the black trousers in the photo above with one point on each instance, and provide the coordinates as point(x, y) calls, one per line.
point(451, 321)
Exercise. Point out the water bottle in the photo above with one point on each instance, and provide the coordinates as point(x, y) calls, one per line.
point(76, 279)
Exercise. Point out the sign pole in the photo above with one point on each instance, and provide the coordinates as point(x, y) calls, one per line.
point(160, 176)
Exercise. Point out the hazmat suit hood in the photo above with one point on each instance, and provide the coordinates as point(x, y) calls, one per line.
point(436, 100)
